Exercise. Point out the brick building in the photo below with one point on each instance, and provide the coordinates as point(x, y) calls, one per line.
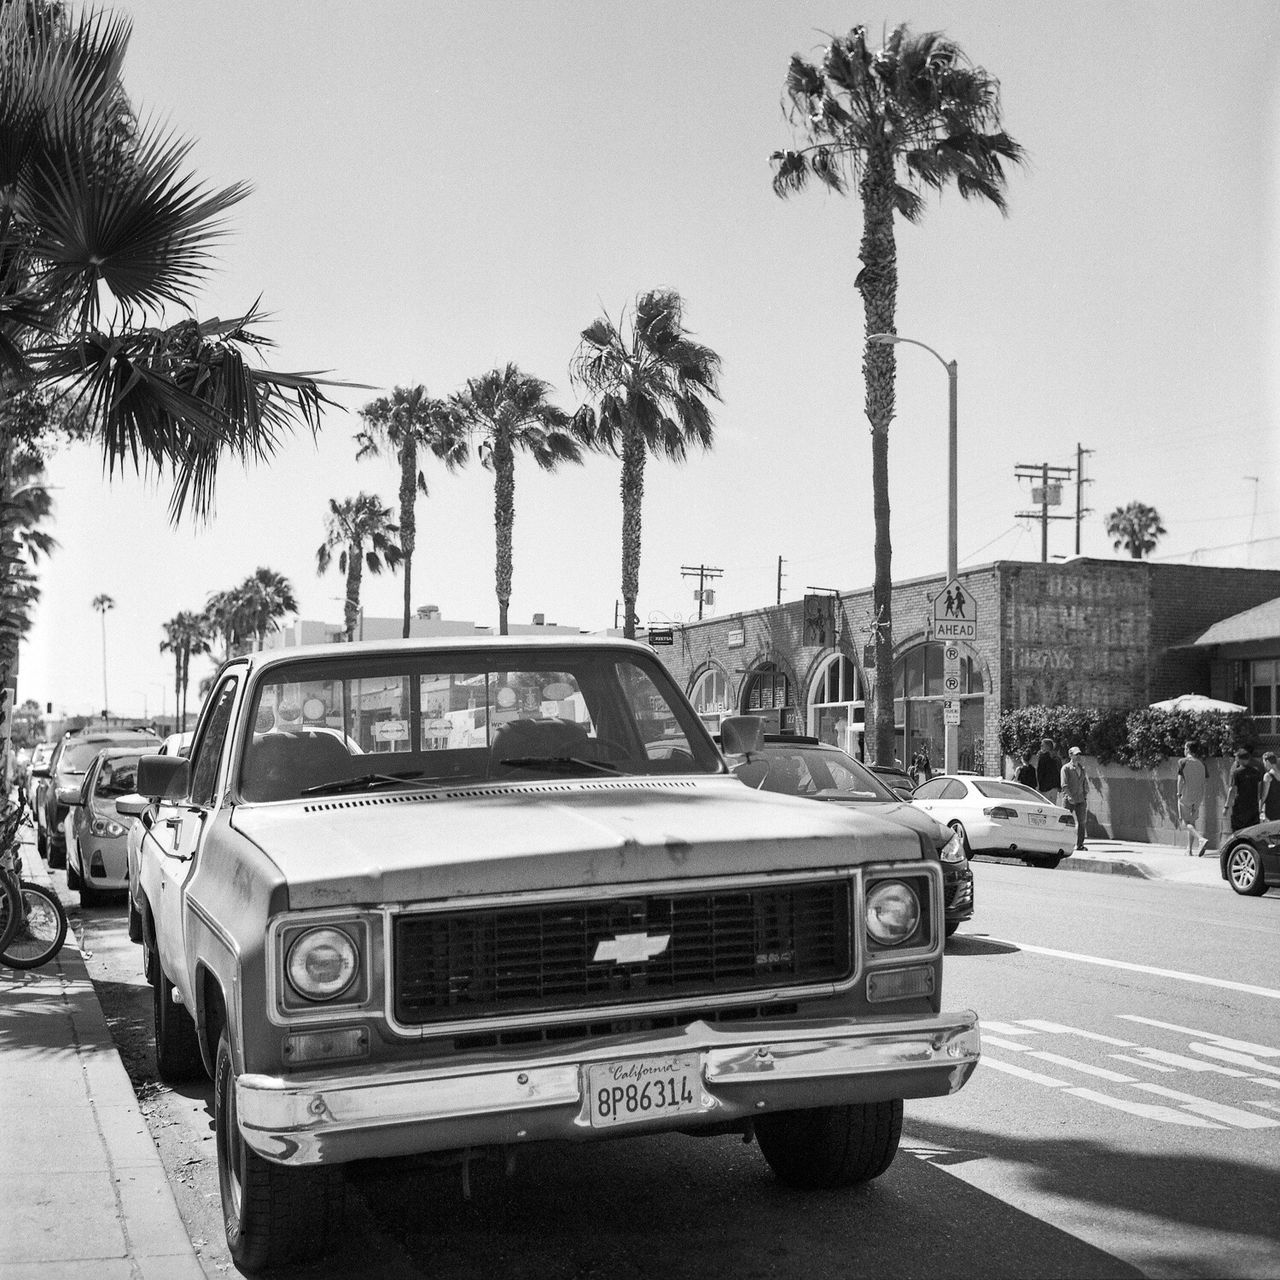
point(1087, 633)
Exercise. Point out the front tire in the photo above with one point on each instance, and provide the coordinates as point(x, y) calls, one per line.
point(831, 1146)
point(958, 828)
point(177, 1041)
point(135, 922)
point(273, 1214)
point(1244, 871)
point(73, 878)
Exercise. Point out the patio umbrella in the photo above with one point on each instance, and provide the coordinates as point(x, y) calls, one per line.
point(1195, 702)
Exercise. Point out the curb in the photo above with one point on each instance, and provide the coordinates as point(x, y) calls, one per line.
point(1109, 867)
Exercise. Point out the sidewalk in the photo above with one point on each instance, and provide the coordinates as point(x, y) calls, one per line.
point(1148, 861)
point(88, 1198)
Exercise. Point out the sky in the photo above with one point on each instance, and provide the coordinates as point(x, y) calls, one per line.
point(440, 187)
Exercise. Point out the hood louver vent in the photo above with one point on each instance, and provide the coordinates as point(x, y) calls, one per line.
point(505, 789)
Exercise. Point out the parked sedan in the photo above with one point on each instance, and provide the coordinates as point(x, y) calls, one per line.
point(1250, 859)
point(96, 833)
point(993, 815)
point(806, 767)
point(37, 774)
point(176, 744)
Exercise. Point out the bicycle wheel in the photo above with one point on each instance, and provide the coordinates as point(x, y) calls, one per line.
point(10, 908)
point(42, 929)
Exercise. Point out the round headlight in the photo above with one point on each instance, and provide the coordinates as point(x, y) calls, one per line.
point(953, 850)
point(322, 963)
point(893, 912)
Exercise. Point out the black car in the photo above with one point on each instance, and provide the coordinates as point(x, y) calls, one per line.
point(1250, 859)
point(894, 777)
point(65, 772)
point(807, 767)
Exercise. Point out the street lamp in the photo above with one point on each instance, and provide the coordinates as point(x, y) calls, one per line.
point(951, 734)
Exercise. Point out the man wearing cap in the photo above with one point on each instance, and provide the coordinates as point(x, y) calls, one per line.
point(1075, 793)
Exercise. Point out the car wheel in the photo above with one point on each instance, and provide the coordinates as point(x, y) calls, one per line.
point(1050, 862)
point(73, 876)
point(55, 851)
point(177, 1042)
point(831, 1146)
point(90, 894)
point(952, 926)
point(958, 828)
point(42, 843)
point(1244, 871)
point(135, 922)
point(273, 1214)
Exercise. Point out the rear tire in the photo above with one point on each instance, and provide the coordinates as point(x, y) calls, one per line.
point(831, 1146)
point(177, 1041)
point(1051, 862)
point(41, 931)
point(273, 1214)
point(952, 926)
point(1244, 871)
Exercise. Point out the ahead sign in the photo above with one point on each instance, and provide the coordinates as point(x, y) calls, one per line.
point(955, 613)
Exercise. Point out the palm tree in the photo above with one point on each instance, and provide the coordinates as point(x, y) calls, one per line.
point(509, 410)
point(650, 382)
point(185, 636)
point(226, 615)
point(363, 533)
point(402, 422)
point(1135, 527)
point(102, 604)
point(266, 597)
point(902, 120)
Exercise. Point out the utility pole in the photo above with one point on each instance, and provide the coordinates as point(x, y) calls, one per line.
point(780, 563)
point(1081, 509)
point(1253, 521)
point(1050, 495)
point(703, 573)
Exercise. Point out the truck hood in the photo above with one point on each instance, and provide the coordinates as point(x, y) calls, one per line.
point(415, 846)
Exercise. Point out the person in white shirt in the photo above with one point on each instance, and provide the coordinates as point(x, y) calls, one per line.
point(1191, 785)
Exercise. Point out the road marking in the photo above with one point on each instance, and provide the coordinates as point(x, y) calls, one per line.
point(1142, 1062)
point(1271, 1084)
point(1229, 1055)
point(1003, 1029)
point(1034, 1076)
point(1147, 1110)
point(1244, 1046)
point(1189, 1064)
point(1270, 1106)
point(1114, 1076)
point(1269, 992)
point(1213, 1110)
point(1000, 1043)
point(1056, 1028)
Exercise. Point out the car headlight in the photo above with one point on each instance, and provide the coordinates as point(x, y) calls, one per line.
point(322, 963)
point(893, 912)
point(105, 827)
point(953, 850)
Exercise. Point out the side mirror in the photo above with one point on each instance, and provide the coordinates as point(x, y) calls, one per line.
point(741, 735)
point(903, 789)
point(40, 771)
point(132, 806)
point(163, 777)
point(70, 796)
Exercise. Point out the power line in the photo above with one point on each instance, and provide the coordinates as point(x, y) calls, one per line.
point(704, 594)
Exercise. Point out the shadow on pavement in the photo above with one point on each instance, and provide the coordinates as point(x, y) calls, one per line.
point(974, 944)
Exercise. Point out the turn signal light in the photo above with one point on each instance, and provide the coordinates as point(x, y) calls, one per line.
point(1000, 811)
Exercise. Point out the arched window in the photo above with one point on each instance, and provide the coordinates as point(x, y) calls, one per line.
point(768, 694)
point(710, 698)
point(919, 691)
point(837, 706)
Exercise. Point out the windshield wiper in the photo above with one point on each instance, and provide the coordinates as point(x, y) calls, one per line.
point(561, 762)
point(365, 782)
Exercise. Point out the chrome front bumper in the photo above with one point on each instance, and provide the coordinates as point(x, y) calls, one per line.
point(370, 1111)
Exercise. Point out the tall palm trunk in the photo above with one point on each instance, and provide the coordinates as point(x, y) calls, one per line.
point(879, 285)
point(504, 514)
point(408, 496)
point(633, 460)
point(355, 572)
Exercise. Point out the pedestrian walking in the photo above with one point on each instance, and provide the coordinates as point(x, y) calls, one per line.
point(1242, 791)
point(1075, 793)
point(1048, 771)
point(1269, 791)
point(1027, 771)
point(1192, 777)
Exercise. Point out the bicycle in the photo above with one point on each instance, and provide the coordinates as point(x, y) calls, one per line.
point(33, 924)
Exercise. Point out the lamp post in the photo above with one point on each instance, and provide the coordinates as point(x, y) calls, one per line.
point(951, 732)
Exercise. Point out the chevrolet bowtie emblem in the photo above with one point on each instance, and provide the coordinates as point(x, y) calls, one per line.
point(631, 948)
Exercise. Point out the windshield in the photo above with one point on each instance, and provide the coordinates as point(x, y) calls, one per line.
point(1007, 791)
point(811, 771)
point(454, 717)
point(78, 756)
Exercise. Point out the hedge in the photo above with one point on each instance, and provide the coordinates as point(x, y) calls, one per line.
point(1139, 738)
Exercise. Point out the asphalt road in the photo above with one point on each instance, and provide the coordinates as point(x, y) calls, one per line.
point(1125, 1121)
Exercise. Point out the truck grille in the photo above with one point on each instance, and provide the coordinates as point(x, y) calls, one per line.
point(541, 958)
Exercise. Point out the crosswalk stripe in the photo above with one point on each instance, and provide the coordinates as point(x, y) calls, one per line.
point(1057, 1028)
point(1142, 1062)
point(1243, 1046)
point(1147, 1110)
point(1003, 1029)
point(1240, 1059)
point(1034, 1076)
point(999, 1042)
point(1213, 1110)
point(1102, 1072)
point(1190, 1064)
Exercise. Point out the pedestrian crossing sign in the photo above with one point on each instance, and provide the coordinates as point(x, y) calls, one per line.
point(955, 613)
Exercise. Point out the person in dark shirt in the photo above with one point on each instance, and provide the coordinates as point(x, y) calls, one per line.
point(1027, 771)
point(1048, 771)
point(1242, 791)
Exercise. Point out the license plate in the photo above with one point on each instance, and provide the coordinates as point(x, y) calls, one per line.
point(637, 1089)
point(1038, 819)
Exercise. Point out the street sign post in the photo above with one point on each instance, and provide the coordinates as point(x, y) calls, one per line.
point(951, 711)
point(661, 635)
point(955, 613)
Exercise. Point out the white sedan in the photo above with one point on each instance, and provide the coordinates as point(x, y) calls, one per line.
point(995, 816)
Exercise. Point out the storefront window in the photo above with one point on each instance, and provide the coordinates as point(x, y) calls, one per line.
point(768, 694)
point(837, 709)
point(919, 694)
point(710, 698)
point(1264, 695)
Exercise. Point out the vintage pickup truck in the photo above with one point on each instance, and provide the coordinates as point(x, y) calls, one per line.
point(459, 896)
